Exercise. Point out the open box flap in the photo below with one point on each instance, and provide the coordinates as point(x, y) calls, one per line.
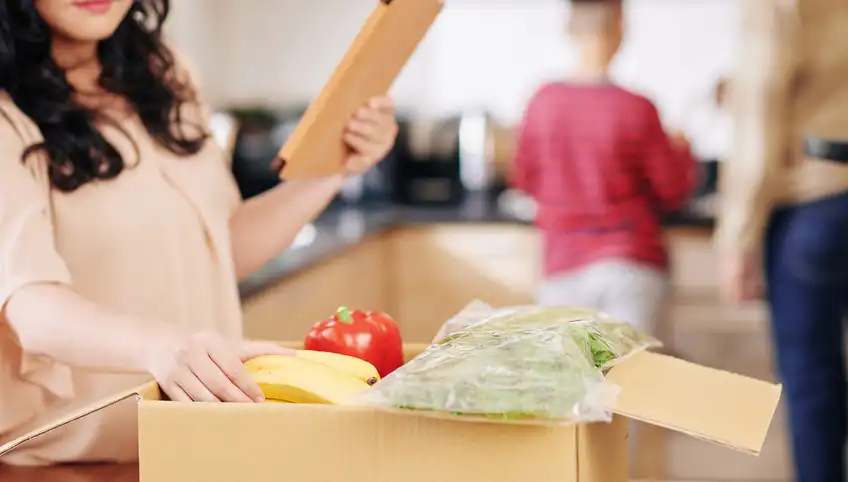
point(41, 427)
point(714, 405)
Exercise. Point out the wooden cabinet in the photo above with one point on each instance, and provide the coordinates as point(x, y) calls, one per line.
point(438, 270)
point(352, 277)
point(421, 276)
point(693, 260)
point(424, 275)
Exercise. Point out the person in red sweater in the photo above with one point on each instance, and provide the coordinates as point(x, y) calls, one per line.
point(603, 172)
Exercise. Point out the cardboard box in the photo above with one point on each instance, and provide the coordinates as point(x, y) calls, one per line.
point(374, 59)
point(187, 442)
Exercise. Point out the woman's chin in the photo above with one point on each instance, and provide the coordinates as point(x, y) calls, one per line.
point(74, 23)
point(86, 32)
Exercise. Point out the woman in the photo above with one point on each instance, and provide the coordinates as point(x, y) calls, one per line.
point(792, 204)
point(122, 234)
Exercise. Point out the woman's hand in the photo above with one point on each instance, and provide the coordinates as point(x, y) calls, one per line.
point(370, 134)
point(206, 368)
point(740, 277)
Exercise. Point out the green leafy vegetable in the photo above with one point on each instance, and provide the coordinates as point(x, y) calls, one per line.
point(516, 364)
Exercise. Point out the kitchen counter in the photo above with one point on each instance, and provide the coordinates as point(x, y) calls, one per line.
point(82, 473)
point(342, 227)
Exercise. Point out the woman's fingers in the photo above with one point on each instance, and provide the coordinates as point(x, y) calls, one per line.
point(362, 128)
point(382, 103)
point(214, 378)
point(229, 360)
point(362, 146)
point(206, 367)
point(176, 394)
point(370, 133)
point(194, 388)
point(358, 163)
point(368, 116)
point(252, 349)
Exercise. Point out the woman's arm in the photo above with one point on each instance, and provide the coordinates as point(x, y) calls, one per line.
point(264, 226)
point(760, 94)
point(760, 106)
point(85, 334)
point(51, 320)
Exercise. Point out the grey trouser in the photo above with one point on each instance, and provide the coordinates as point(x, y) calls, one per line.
point(626, 290)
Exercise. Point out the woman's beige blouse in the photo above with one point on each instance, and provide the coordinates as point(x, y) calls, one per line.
point(154, 242)
point(790, 83)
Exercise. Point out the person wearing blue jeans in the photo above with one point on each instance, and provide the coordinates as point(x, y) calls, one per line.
point(783, 225)
point(806, 265)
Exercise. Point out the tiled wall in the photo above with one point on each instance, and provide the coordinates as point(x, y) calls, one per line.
point(481, 52)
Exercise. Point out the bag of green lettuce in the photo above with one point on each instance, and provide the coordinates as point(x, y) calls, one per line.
point(604, 340)
point(514, 364)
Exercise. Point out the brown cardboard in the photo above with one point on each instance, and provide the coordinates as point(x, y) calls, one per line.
point(374, 59)
point(185, 442)
point(329, 444)
point(714, 405)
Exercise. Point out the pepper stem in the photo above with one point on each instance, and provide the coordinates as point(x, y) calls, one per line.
point(344, 315)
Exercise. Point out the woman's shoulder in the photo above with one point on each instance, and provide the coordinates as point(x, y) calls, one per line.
point(189, 87)
point(17, 130)
point(17, 133)
point(186, 73)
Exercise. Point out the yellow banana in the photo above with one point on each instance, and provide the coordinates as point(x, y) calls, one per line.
point(298, 380)
point(353, 366)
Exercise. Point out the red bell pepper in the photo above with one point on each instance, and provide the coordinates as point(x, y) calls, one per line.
point(369, 335)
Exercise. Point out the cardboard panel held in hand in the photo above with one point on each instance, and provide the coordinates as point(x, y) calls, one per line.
point(375, 58)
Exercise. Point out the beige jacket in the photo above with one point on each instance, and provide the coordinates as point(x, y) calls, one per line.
point(791, 81)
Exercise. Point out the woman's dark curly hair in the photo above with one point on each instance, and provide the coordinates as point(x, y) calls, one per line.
point(137, 66)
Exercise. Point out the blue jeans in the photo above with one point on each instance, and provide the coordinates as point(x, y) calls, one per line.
point(807, 279)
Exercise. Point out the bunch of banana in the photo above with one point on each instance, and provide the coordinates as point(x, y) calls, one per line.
point(311, 377)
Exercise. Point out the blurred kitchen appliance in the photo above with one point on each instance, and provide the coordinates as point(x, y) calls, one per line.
point(446, 158)
point(257, 140)
point(260, 134)
point(708, 172)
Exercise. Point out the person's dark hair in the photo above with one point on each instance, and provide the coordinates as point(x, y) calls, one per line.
point(137, 65)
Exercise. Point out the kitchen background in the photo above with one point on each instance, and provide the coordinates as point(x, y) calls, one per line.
point(480, 53)
point(267, 59)
point(432, 227)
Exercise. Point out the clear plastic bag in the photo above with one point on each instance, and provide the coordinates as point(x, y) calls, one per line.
point(520, 364)
point(604, 340)
point(472, 313)
point(610, 342)
point(496, 367)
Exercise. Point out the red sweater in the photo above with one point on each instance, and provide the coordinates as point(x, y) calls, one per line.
point(601, 168)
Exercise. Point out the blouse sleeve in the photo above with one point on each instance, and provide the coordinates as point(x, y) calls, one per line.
point(27, 248)
point(760, 101)
point(28, 256)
